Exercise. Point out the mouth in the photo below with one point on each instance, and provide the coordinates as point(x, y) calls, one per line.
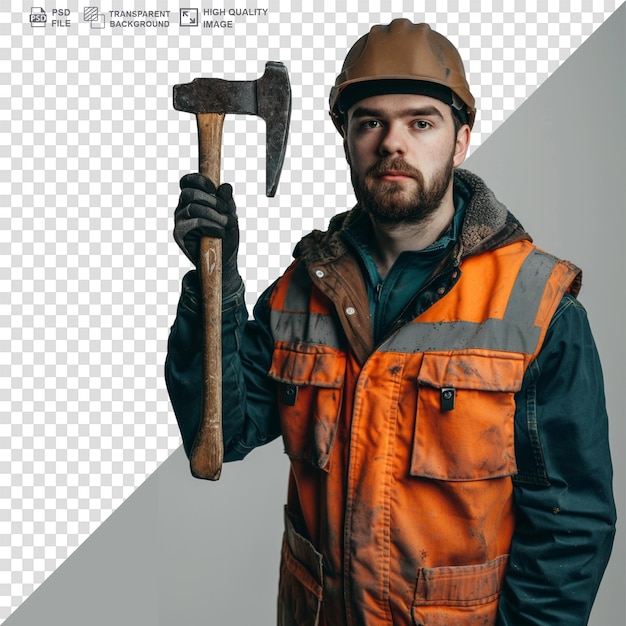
point(394, 176)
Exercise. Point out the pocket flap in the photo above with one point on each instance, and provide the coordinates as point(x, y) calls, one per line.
point(472, 371)
point(461, 585)
point(317, 368)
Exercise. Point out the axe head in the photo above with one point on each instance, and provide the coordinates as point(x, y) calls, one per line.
point(268, 97)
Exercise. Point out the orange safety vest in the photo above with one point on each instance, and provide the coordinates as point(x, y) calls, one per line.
point(400, 506)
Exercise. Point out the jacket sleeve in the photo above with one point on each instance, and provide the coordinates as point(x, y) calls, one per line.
point(565, 513)
point(249, 416)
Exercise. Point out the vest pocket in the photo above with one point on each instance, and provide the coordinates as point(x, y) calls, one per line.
point(465, 416)
point(310, 386)
point(301, 576)
point(461, 595)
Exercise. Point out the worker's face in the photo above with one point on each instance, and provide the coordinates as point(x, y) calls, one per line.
point(402, 149)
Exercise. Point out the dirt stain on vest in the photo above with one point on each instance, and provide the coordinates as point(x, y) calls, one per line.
point(394, 370)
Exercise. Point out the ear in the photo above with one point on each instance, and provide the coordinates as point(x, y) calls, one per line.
point(345, 148)
point(462, 145)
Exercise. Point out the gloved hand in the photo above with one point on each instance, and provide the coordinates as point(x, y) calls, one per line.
point(204, 211)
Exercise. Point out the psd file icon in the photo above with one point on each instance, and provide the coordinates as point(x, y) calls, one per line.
point(38, 17)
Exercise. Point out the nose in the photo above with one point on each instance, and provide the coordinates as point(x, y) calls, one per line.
point(393, 140)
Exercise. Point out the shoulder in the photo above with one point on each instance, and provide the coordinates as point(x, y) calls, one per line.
point(324, 244)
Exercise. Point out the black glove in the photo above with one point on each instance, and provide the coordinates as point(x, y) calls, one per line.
point(204, 211)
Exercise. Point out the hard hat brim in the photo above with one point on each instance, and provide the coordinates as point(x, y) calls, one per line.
point(349, 93)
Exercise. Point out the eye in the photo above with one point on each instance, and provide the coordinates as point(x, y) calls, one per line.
point(421, 124)
point(370, 124)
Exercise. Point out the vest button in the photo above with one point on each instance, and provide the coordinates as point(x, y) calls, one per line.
point(350, 310)
point(441, 290)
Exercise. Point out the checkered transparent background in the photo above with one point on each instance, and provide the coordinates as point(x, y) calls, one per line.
point(91, 155)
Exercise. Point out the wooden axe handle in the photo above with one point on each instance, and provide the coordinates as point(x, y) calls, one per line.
point(207, 453)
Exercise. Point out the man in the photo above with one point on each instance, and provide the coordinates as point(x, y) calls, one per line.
point(433, 377)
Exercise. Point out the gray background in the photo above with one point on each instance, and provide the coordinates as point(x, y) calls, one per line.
point(178, 550)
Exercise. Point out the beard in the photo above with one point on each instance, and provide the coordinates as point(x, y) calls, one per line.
point(401, 203)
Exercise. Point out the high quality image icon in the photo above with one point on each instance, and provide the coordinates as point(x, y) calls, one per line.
point(189, 17)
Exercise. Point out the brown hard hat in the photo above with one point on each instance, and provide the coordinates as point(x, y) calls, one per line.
point(402, 57)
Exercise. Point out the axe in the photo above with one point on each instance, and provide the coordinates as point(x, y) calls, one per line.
point(210, 99)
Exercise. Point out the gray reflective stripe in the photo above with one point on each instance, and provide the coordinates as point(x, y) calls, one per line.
point(492, 334)
point(525, 297)
point(295, 323)
point(516, 332)
point(312, 328)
